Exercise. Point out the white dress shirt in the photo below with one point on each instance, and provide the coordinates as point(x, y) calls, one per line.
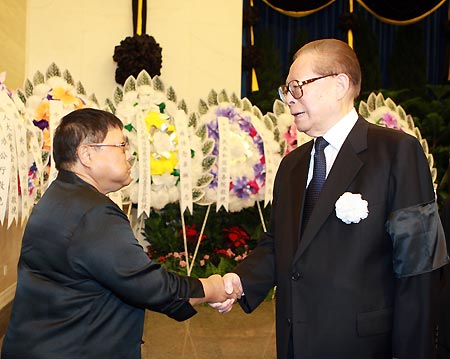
point(335, 137)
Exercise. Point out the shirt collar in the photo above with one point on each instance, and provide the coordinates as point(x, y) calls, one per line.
point(337, 134)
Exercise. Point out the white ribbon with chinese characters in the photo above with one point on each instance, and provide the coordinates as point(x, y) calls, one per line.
point(5, 166)
point(8, 124)
point(184, 161)
point(144, 191)
point(223, 173)
point(56, 112)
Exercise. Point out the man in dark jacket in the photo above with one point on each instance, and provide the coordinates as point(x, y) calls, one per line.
point(83, 280)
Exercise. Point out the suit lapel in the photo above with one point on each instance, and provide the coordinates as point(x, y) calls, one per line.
point(344, 170)
point(297, 184)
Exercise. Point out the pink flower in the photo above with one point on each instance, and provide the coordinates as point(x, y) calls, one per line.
point(390, 121)
point(291, 138)
point(206, 256)
point(182, 264)
point(202, 262)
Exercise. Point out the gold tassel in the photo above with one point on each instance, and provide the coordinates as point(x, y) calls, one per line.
point(139, 18)
point(350, 33)
point(255, 86)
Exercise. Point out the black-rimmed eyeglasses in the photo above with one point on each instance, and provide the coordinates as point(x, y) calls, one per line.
point(295, 87)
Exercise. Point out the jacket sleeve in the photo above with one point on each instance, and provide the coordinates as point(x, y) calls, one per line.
point(419, 250)
point(104, 249)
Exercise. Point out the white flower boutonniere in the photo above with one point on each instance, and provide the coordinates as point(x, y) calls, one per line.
point(351, 208)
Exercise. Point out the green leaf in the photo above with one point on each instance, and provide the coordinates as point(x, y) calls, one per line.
point(28, 88)
point(171, 95)
point(38, 78)
point(202, 132)
point(80, 89)
point(212, 98)
point(208, 162)
point(21, 96)
point(204, 180)
point(279, 107)
point(246, 104)
point(192, 120)
point(182, 106)
point(52, 71)
point(257, 112)
point(197, 194)
point(110, 106)
point(129, 85)
point(235, 100)
point(208, 147)
point(223, 97)
point(93, 98)
point(68, 77)
point(158, 85)
point(118, 95)
point(202, 107)
point(143, 79)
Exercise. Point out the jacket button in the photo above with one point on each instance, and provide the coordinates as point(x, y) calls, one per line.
point(296, 276)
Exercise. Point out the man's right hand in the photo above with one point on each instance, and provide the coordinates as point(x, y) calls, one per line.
point(233, 287)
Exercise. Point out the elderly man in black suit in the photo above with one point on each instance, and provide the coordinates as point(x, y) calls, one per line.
point(355, 241)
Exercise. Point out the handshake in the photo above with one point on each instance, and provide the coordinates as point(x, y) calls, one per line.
point(220, 292)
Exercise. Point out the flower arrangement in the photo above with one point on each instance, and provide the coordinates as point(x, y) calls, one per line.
point(385, 112)
point(43, 102)
point(227, 240)
point(172, 161)
point(246, 150)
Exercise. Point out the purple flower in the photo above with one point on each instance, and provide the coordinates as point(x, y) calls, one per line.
point(42, 124)
point(226, 112)
point(241, 188)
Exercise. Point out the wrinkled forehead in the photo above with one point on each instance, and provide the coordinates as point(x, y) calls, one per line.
point(302, 68)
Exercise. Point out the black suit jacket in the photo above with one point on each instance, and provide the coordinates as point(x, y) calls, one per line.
point(84, 281)
point(360, 290)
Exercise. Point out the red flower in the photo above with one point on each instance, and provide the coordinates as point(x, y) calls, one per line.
point(254, 188)
point(191, 233)
point(225, 252)
point(237, 236)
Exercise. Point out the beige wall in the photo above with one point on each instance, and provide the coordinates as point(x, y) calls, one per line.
point(10, 241)
point(12, 41)
point(12, 60)
point(201, 42)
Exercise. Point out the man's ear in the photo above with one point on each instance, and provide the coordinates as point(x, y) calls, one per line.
point(342, 86)
point(84, 155)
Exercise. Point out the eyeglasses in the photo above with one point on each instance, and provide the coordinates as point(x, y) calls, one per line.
point(295, 87)
point(123, 145)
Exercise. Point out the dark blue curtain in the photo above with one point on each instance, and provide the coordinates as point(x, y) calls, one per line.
point(289, 33)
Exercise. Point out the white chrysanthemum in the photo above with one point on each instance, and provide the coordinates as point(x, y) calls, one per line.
point(351, 208)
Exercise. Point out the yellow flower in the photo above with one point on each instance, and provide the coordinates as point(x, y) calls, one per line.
point(66, 97)
point(42, 111)
point(161, 164)
point(153, 119)
point(46, 139)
